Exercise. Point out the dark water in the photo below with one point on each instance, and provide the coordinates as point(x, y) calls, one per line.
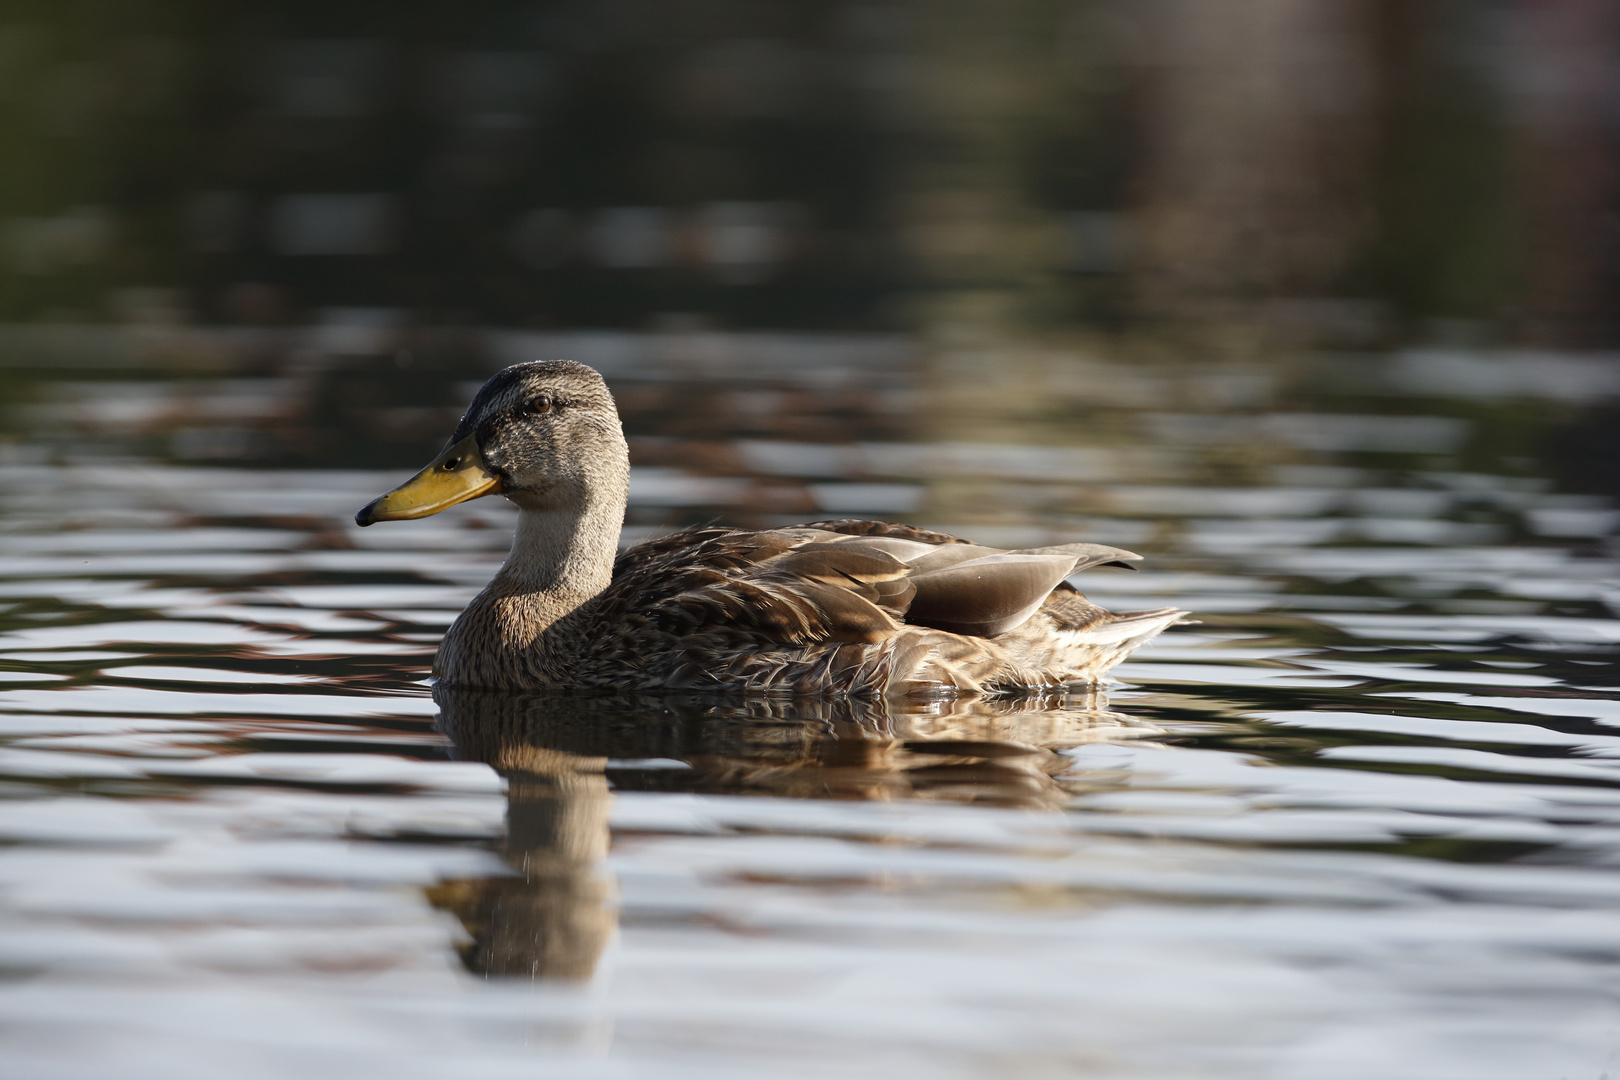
point(1359, 820)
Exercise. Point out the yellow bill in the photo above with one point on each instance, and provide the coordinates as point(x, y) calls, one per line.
point(454, 476)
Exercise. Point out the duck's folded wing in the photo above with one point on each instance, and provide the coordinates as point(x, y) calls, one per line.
point(814, 583)
point(776, 586)
point(988, 595)
point(1080, 556)
point(982, 592)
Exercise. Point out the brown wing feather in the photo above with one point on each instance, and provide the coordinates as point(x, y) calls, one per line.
point(871, 573)
point(1089, 555)
point(780, 586)
point(861, 527)
point(986, 596)
point(844, 580)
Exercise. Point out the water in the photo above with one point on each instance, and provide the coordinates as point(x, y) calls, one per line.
point(1361, 819)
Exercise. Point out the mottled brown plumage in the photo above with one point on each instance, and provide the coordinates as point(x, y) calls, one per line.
point(834, 607)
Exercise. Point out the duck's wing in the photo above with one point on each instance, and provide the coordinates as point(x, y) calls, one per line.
point(986, 596)
point(844, 580)
point(969, 589)
point(923, 549)
point(784, 586)
point(885, 530)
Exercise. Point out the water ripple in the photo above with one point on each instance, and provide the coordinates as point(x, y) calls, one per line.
point(1376, 780)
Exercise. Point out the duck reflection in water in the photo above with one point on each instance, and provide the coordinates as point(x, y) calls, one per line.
point(560, 754)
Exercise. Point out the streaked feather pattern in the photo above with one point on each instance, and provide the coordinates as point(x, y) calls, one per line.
point(839, 607)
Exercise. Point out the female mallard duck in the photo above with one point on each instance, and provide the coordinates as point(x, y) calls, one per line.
point(842, 607)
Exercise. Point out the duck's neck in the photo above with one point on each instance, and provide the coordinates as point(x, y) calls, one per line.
point(562, 558)
point(560, 561)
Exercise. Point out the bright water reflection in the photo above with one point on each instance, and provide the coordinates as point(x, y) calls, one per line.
point(1362, 820)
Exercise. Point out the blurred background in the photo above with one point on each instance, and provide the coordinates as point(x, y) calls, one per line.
point(255, 232)
point(1311, 302)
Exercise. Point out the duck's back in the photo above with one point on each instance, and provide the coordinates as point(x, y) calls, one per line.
point(850, 606)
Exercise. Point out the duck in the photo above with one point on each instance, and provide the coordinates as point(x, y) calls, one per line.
point(843, 607)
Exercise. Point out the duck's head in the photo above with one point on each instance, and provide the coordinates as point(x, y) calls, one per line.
point(544, 434)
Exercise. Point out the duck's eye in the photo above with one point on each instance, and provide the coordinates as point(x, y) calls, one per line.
point(538, 405)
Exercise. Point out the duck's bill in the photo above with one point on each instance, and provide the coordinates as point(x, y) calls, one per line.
point(454, 476)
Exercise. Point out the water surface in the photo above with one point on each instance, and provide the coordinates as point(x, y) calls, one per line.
point(1361, 819)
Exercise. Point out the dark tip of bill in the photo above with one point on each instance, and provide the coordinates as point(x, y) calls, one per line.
point(364, 518)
